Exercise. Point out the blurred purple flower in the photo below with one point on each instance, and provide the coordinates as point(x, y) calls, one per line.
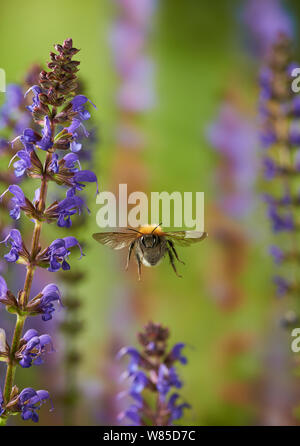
point(280, 222)
point(176, 410)
point(13, 100)
point(234, 137)
point(266, 20)
point(167, 378)
point(277, 254)
point(282, 285)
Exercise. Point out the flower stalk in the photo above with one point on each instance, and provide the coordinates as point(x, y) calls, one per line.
point(54, 105)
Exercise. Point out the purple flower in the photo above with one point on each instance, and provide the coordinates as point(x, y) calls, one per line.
point(34, 347)
point(136, 93)
point(46, 142)
point(81, 114)
point(83, 176)
point(270, 168)
point(167, 378)
point(280, 222)
point(78, 106)
point(13, 100)
point(266, 19)
point(13, 239)
point(30, 401)
point(67, 207)
point(59, 251)
point(267, 138)
point(70, 160)
point(28, 139)
point(23, 163)
point(294, 137)
point(132, 413)
point(18, 200)
point(139, 382)
point(36, 90)
point(176, 353)
point(176, 410)
point(282, 285)
point(135, 360)
point(3, 287)
point(277, 254)
point(50, 294)
point(53, 166)
point(234, 137)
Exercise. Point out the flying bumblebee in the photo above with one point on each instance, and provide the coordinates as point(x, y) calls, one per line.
point(150, 244)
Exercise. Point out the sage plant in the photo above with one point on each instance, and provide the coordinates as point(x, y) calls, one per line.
point(280, 136)
point(151, 370)
point(59, 114)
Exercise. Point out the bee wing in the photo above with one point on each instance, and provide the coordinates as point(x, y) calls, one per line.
point(115, 240)
point(185, 238)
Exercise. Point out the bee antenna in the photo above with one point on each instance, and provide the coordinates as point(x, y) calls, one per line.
point(156, 227)
point(135, 230)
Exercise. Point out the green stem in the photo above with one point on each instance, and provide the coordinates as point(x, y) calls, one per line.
point(24, 297)
point(11, 367)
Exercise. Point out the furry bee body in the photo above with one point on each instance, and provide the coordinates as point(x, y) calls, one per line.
point(149, 244)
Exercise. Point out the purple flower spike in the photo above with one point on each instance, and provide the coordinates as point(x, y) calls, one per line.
point(152, 370)
point(30, 401)
point(13, 239)
point(50, 294)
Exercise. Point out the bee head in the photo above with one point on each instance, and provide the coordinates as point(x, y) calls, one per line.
point(149, 240)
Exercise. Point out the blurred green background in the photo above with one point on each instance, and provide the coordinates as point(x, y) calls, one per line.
point(198, 53)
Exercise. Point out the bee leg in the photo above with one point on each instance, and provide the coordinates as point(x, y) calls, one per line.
point(139, 266)
point(129, 255)
point(171, 257)
point(175, 252)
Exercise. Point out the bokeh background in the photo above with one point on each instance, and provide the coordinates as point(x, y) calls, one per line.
point(193, 93)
